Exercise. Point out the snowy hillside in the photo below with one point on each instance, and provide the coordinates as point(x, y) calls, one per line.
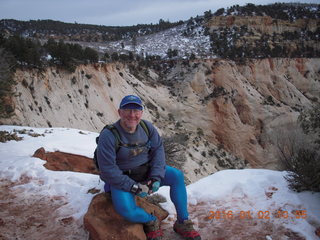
point(193, 41)
point(186, 39)
point(37, 203)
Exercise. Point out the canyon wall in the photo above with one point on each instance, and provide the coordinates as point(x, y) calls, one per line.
point(219, 113)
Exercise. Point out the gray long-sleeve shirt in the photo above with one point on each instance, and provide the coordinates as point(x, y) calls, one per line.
point(112, 163)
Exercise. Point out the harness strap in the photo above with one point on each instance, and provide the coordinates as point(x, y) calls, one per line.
point(117, 136)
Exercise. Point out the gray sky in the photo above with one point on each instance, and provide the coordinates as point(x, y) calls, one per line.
point(117, 13)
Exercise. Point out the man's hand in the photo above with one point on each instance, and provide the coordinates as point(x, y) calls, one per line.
point(140, 189)
point(143, 189)
point(153, 185)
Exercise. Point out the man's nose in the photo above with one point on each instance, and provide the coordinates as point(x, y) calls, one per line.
point(131, 113)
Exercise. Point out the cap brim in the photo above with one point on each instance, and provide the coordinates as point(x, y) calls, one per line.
point(132, 105)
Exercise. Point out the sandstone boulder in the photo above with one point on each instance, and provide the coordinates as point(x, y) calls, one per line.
point(104, 223)
point(61, 161)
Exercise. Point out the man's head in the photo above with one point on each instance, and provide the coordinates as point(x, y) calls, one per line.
point(131, 102)
point(130, 112)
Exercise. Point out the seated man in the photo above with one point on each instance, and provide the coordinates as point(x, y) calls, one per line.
point(134, 164)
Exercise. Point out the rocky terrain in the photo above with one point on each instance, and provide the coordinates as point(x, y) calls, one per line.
point(219, 113)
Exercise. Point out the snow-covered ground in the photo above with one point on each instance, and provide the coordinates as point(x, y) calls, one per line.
point(233, 204)
point(158, 43)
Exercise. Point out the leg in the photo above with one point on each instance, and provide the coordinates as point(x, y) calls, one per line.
point(125, 204)
point(178, 193)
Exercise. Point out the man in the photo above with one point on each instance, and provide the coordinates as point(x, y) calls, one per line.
point(138, 167)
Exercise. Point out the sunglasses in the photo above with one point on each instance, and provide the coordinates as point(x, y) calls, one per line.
point(134, 111)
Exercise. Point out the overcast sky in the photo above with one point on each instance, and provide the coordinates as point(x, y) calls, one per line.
point(116, 13)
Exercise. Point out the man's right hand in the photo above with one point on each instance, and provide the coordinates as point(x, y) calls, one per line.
point(144, 190)
point(140, 189)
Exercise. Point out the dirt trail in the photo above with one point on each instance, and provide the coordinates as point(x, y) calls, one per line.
point(27, 216)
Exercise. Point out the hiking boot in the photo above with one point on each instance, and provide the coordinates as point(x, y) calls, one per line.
point(153, 230)
point(186, 230)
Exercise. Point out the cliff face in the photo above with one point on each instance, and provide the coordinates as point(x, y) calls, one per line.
point(264, 24)
point(259, 97)
point(263, 36)
point(225, 111)
point(60, 99)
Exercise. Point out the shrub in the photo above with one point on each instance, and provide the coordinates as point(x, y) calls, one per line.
point(304, 170)
point(310, 121)
point(6, 83)
point(299, 152)
point(173, 146)
point(6, 136)
point(178, 125)
point(171, 117)
point(200, 132)
point(203, 153)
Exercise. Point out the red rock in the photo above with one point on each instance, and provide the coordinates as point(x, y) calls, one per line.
point(67, 221)
point(61, 161)
point(104, 223)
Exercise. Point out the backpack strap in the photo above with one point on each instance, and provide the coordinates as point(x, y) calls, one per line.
point(145, 128)
point(116, 134)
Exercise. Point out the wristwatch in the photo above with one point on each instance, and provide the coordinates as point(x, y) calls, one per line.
point(135, 188)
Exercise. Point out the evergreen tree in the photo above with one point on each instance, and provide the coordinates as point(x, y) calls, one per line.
point(115, 56)
point(91, 55)
point(7, 67)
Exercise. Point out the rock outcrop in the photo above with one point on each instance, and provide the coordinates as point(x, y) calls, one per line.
point(263, 24)
point(259, 27)
point(60, 161)
point(104, 223)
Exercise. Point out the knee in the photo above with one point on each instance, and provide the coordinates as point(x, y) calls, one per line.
point(135, 214)
point(176, 175)
point(129, 214)
point(123, 203)
point(179, 174)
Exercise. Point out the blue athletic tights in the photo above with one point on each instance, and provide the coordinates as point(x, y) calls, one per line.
point(125, 204)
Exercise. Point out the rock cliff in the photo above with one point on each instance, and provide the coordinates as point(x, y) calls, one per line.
point(218, 113)
point(263, 36)
point(264, 24)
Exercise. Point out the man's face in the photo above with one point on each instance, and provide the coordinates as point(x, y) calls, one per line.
point(130, 118)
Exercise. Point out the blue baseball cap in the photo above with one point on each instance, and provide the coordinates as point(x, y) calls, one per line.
point(131, 102)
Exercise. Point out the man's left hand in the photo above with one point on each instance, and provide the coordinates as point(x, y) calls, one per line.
point(153, 185)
